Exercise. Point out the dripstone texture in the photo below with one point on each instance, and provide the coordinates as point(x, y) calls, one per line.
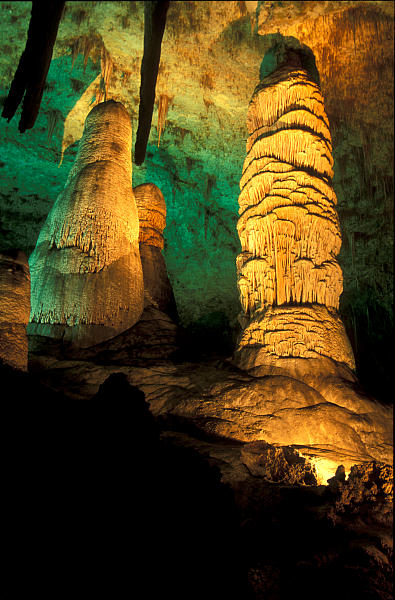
point(14, 308)
point(288, 276)
point(87, 279)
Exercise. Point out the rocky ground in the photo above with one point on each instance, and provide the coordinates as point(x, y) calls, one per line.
point(117, 464)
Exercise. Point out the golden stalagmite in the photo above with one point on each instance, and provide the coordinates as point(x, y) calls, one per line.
point(151, 208)
point(14, 308)
point(87, 280)
point(288, 276)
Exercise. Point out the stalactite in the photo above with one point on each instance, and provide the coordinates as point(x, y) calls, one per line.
point(154, 26)
point(54, 117)
point(163, 107)
point(289, 279)
point(107, 66)
point(86, 273)
point(29, 79)
point(84, 45)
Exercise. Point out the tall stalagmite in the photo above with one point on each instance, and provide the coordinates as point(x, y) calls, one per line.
point(14, 308)
point(87, 280)
point(288, 276)
point(151, 208)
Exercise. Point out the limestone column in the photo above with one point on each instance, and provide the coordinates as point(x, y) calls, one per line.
point(289, 278)
point(87, 279)
point(151, 208)
point(14, 308)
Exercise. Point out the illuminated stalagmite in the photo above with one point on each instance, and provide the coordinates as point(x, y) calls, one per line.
point(151, 208)
point(288, 276)
point(87, 280)
point(14, 308)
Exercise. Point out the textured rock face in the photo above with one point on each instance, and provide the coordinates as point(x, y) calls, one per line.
point(87, 280)
point(151, 208)
point(14, 308)
point(368, 486)
point(328, 429)
point(281, 464)
point(288, 276)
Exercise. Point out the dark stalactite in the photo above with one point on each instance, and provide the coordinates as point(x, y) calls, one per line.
point(154, 27)
point(30, 76)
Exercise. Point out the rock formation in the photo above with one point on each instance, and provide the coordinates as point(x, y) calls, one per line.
point(87, 280)
point(288, 276)
point(155, 335)
point(14, 308)
point(151, 208)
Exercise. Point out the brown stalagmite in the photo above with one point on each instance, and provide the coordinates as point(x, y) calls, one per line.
point(151, 208)
point(87, 280)
point(14, 308)
point(288, 276)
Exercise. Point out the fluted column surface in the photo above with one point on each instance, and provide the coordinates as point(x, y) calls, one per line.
point(288, 276)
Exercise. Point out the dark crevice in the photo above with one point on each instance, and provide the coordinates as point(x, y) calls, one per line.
point(297, 128)
point(308, 170)
point(294, 108)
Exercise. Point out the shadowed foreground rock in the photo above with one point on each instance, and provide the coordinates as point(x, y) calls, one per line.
point(116, 509)
point(113, 503)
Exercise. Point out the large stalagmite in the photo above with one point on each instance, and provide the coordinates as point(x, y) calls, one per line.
point(288, 275)
point(151, 208)
point(87, 280)
point(155, 336)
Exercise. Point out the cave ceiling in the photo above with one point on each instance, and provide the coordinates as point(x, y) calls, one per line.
point(210, 65)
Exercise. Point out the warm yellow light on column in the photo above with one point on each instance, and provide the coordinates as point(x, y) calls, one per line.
point(288, 275)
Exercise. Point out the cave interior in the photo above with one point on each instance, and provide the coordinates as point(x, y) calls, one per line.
point(235, 474)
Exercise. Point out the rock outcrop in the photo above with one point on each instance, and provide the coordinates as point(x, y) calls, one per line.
point(288, 276)
point(151, 208)
point(220, 401)
point(87, 279)
point(14, 308)
point(278, 464)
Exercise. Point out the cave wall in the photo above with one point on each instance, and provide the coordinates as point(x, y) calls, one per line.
point(211, 56)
